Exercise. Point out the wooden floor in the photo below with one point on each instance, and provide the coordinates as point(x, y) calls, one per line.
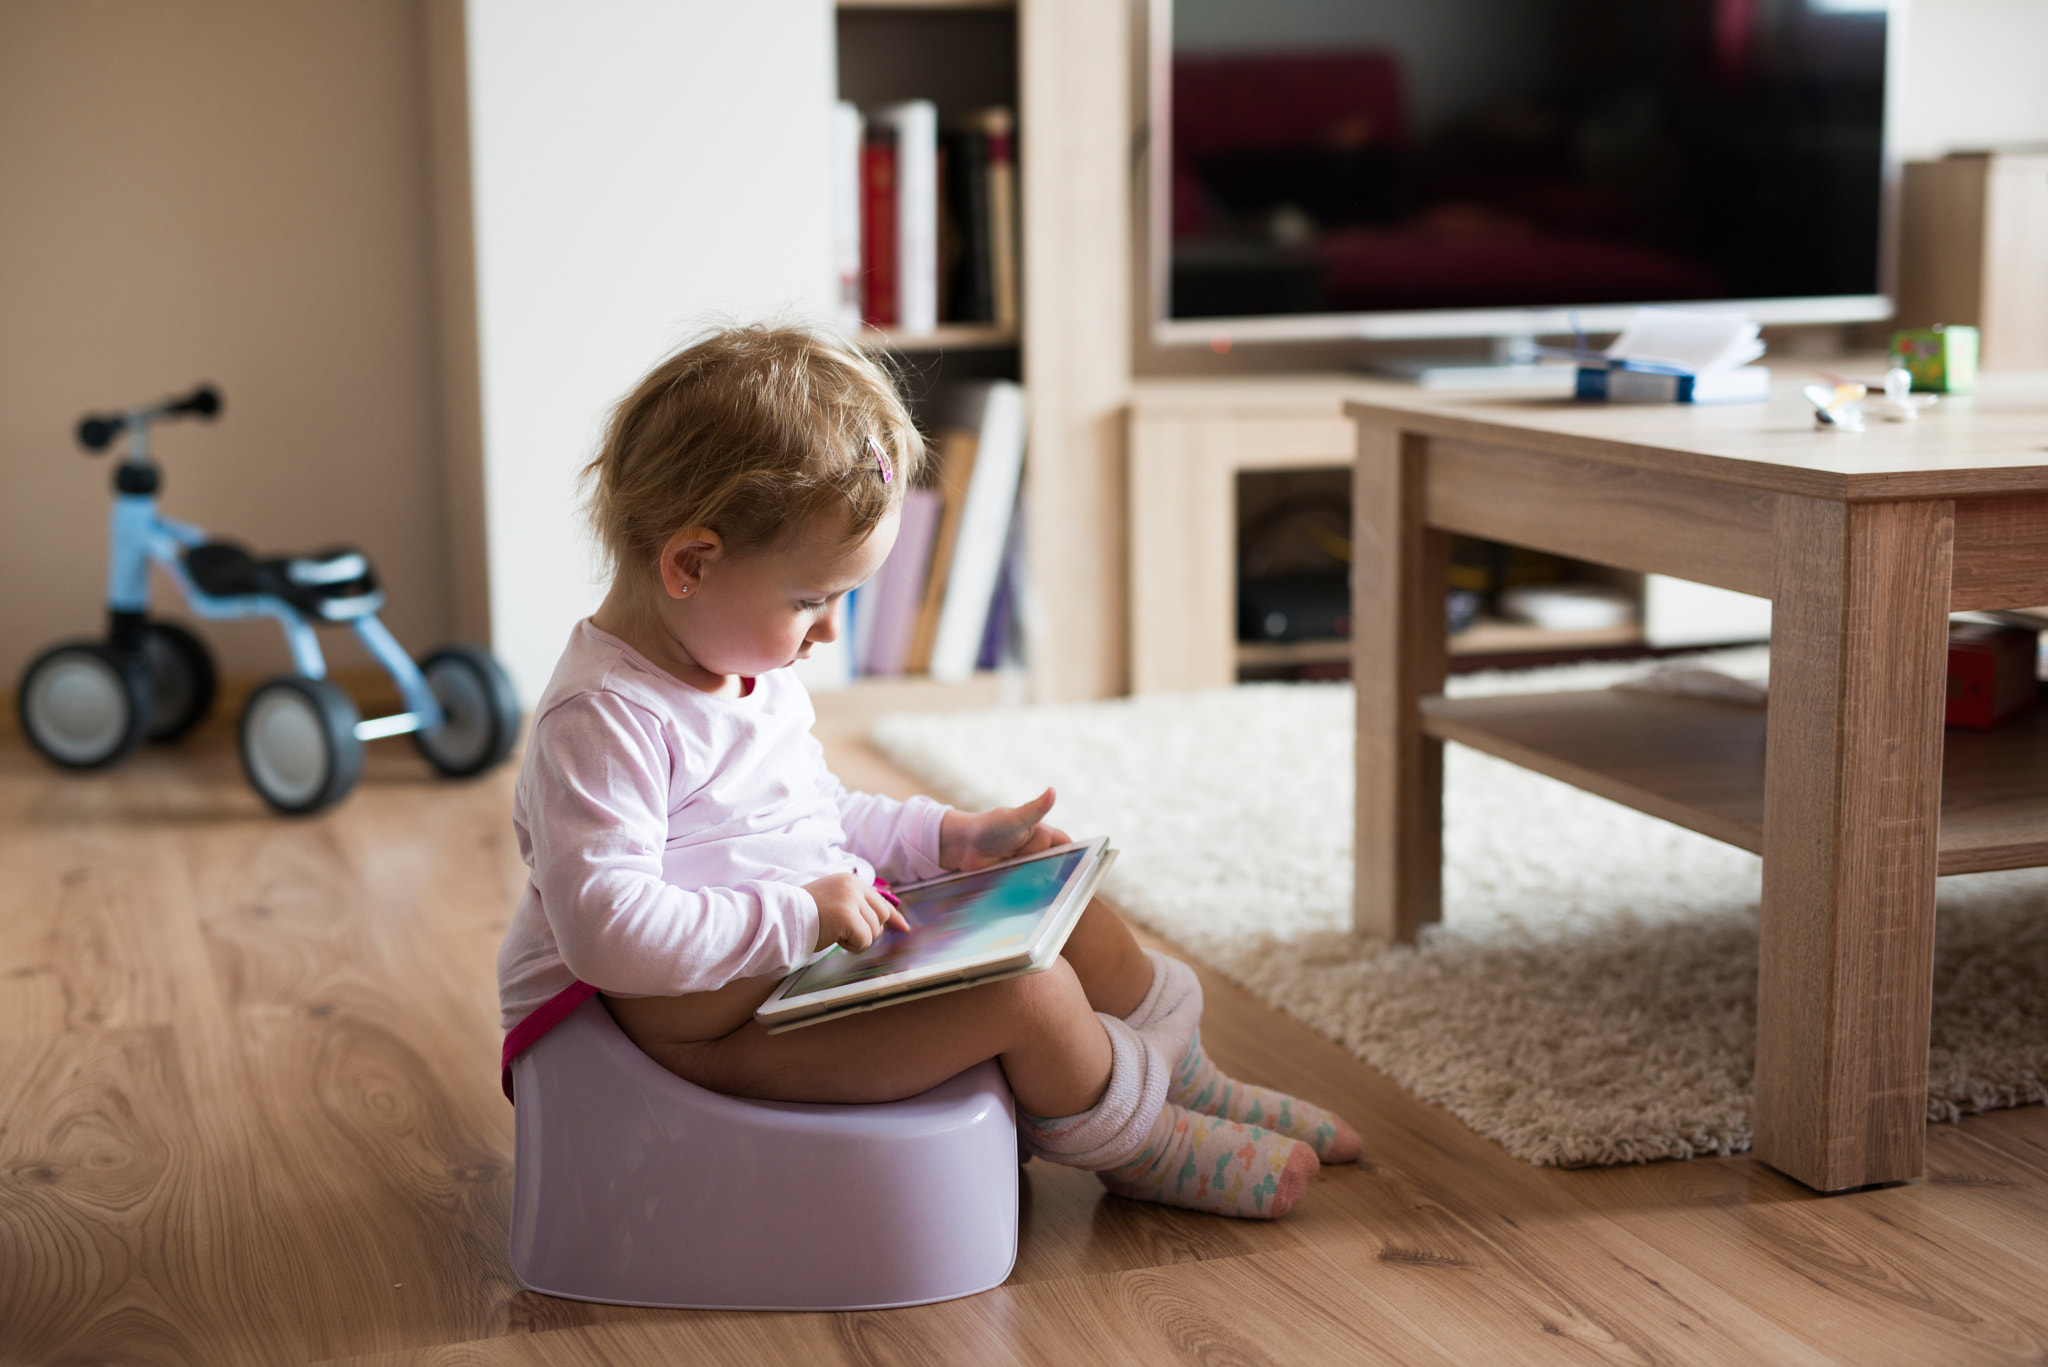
point(249, 1113)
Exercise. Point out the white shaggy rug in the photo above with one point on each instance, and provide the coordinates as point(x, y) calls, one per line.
point(1590, 996)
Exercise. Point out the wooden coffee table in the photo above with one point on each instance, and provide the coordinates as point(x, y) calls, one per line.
point(1846, 784)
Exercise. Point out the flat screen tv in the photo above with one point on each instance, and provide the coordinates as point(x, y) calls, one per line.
point(1490, 168)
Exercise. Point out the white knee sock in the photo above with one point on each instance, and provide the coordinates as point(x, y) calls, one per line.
point(1172, 1009)
point(1110, 1133)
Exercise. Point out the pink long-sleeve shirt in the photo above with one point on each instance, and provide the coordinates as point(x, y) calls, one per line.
point(669, 832)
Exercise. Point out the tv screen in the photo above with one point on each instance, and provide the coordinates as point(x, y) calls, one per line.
point(1343, 157)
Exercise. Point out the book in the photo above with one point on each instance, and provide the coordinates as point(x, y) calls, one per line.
point(894, 593)
point(878, 228)
point(1687, 341)
point(998, 128)
point(915, 128)
point(846, 211)
point(955, 468)
point(860, 626)
point(1626, 384)
point(972, 296)
point(994, 410)
point(1002, 640)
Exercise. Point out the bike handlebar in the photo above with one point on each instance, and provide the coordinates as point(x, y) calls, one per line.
point(96, 431)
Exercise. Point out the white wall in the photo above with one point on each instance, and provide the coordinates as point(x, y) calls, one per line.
point(1976, 76)
point(640, 167)
point(225, 190)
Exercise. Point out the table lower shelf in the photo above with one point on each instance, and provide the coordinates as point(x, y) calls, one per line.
point(1700, 763)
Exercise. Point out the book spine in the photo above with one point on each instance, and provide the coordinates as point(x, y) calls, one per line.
point(948, 256)
point(1001, 646)
point(984, 528)
point(998, 128)
point(878, 229)
point(846, 211)
point(860, 626)
point(974, 278)
point(916, 124)
point(1004, 220)
point(956, 471)
point(900, 583)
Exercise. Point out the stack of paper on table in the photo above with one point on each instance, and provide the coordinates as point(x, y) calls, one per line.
point(1679, 356)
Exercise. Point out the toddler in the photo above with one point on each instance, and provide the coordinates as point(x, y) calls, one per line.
point(688, 847)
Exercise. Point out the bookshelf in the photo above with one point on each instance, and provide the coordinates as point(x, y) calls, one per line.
point(948, 337)
point(1064, 66)
point(927, 5)
point(962, 59)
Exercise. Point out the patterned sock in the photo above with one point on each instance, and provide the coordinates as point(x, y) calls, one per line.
point(1207, 1163)
point(1170, 1017)
point(1147, 1150)
point(1172, 1008)
point(1200, 1086)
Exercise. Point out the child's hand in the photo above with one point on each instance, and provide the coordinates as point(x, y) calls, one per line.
point(975, 840)
point(850, 912)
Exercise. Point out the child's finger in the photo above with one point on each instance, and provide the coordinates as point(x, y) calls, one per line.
point(1032, 812)
point(886, 911)
point(1011, 827)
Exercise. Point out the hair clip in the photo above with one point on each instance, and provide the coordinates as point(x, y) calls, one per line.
point(881, 459)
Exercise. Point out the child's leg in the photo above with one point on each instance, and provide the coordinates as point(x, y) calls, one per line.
point(1113, 970)
point(1103, 1087)
point(1168, 1012)
point(1040, 1027)
point(1180, 1159)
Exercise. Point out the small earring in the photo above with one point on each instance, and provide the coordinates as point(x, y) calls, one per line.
point(684, 592)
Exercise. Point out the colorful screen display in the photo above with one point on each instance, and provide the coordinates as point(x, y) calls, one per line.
point(960, 919)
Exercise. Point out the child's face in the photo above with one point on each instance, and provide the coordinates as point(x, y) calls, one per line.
point(751, 613)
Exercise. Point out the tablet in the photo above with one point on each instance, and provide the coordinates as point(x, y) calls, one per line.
point(965, 928)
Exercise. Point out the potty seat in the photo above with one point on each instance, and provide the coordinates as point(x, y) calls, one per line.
point(633, 1187)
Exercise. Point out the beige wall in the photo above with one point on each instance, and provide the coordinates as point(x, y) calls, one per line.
point(231, 190)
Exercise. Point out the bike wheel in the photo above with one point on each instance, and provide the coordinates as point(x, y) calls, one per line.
point(480, 711)
point(299, 746)
point(182, 682)
point(83, 704)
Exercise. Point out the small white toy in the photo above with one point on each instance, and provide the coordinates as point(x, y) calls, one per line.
point(1839, 406)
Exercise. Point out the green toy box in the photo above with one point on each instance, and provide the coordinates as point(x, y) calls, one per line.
point(1942, 359)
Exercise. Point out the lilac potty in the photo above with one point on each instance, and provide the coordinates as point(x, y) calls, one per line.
point(634, 1187)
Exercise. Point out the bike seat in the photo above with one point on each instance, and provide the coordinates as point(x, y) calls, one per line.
point(334, 585)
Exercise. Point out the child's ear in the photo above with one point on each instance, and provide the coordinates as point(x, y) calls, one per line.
point(683, 558)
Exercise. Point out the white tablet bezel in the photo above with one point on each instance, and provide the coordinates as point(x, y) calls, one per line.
point(780, 1008)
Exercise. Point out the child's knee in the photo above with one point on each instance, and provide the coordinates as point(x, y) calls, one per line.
point(1053, 999)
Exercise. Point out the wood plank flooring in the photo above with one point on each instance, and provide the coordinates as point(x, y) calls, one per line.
point(249, 1113)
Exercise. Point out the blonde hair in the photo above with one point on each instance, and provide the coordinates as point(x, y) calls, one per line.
point(752, 432)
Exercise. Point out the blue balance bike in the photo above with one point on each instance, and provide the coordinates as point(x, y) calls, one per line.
point(84, 704)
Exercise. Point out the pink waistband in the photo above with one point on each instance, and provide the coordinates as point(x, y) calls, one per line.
point(538, 1022)
point(556, 1009)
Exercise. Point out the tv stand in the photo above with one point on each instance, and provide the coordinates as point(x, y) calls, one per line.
point(1513, 368)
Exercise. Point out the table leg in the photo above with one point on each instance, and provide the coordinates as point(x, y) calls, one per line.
point(1852, 815)
point(1397, 658)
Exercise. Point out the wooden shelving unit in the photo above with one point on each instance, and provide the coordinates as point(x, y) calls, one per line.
point(926, 4)
point(1700, 763)
point(948, 337)
point(962, 55)
point(1065, 67)
point(1490, 637)
point(1484, 637)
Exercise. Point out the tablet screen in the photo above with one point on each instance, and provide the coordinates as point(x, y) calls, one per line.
point(962, 918)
